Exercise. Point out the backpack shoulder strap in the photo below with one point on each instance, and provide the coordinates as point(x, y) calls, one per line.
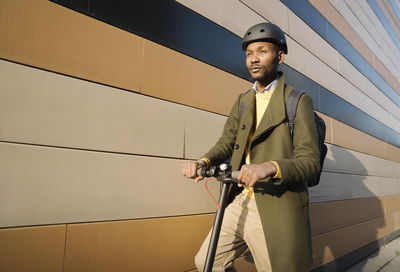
point(291, 107)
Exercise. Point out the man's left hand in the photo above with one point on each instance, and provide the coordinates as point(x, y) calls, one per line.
point(250, 173)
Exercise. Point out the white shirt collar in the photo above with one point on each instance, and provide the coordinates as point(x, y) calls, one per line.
point(270, 86)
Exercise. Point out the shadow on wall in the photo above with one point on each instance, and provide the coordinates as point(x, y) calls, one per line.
point(348, 213)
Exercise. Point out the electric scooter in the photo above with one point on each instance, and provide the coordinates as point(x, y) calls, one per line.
point(225, 175)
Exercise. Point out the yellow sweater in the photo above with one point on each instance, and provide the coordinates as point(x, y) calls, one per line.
point(262, 101)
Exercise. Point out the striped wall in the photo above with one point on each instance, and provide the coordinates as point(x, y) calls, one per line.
point(100, 106)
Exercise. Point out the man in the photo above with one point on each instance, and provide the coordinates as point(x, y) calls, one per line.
point(268, 213)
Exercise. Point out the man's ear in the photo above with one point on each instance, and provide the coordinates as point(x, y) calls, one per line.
point(281, 56)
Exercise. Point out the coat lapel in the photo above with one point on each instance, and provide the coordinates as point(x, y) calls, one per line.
point(249, 101)
point(275, 112)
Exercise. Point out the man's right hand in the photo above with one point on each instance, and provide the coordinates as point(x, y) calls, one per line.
point(189, 169)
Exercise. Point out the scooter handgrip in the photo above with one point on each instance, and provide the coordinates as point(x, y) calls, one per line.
point(206, 172)
point(235, 174)
point(198, 171)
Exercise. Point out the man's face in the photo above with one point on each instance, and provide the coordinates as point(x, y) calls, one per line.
point(262, 60)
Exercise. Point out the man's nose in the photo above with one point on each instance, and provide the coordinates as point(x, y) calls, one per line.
point(254, 58)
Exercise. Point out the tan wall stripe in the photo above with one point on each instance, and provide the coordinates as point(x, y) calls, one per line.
point(345, 161)
point(166, 244)
point(393, 153)
point(370, 220)
point(351, 138)
point(345, 136)
point(35, 33)
point(329, 216)
point(135, 244)
point(186, 80)
point(332, 245)
point(336, 19)
point(392, 204)
point(32, 249)
point(334, 215)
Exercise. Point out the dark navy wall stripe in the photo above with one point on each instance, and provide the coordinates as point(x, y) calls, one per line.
point(177, 27)
point(341, 110)
point(172, 25)
point(319, 24)
point(375, 8)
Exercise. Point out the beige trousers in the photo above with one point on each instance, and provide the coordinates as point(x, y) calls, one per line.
point(241, 228)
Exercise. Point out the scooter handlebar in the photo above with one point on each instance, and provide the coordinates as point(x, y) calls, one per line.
point(222, 172)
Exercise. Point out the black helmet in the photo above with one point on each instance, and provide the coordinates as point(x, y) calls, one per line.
point(265, 32)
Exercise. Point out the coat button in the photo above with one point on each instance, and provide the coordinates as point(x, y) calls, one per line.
point(243, 126)
point(236, 146)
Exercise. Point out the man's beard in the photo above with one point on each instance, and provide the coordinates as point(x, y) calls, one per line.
point(264, 78)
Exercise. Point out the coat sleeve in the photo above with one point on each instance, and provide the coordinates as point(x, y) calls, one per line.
point(222, 150)
point(305, 164)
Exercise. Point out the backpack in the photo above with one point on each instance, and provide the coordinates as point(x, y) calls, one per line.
point(291, 107)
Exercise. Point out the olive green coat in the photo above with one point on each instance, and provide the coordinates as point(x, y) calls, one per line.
point(282, 203)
